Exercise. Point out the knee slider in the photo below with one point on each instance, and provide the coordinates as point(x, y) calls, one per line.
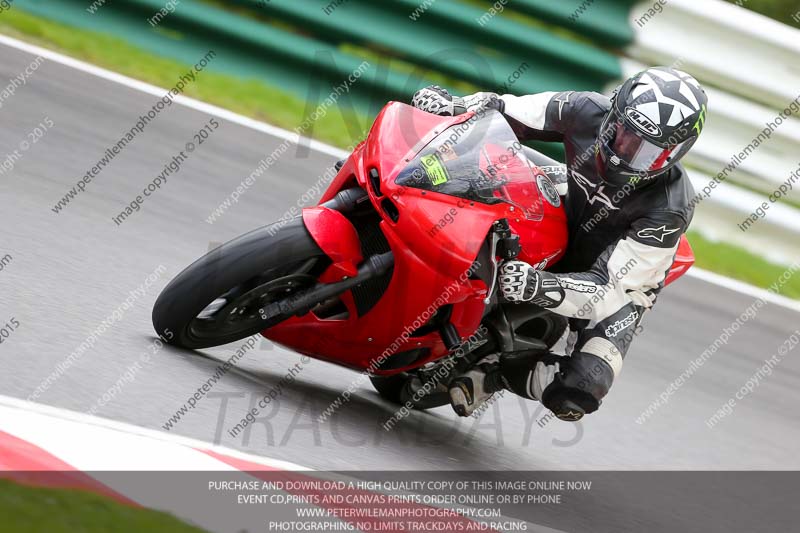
point(588, 373)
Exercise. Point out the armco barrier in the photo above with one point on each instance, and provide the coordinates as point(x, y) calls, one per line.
point(739, 51)
point(773, 238)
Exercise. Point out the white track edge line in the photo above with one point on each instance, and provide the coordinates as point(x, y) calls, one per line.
point(180, 99)
point(744, 288)
point(704, 275)
point(86, 419)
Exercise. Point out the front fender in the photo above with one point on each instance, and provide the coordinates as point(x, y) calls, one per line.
point(336, 236)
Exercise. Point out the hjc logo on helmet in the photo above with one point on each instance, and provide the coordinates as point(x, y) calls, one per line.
point(642, 122)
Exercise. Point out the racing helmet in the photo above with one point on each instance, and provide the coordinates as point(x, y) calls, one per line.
point(655, 118)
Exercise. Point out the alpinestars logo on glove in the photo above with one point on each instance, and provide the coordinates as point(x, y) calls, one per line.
point(613, 329)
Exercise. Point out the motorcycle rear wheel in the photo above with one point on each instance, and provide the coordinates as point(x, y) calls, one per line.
point(400, 388)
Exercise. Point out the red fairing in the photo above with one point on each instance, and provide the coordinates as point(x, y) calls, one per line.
point(684, 259)
point(337, 237)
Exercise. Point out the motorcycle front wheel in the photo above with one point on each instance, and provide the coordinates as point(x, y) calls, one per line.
point(219, 298)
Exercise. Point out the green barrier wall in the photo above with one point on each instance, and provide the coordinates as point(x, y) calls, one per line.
point(602, 21)
point(309, 46)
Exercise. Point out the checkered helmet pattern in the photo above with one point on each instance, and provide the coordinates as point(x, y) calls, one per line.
point(668, 106)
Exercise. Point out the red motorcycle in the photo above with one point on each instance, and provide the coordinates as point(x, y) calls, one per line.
point(397, 265)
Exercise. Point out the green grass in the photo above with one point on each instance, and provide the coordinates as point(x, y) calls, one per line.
point(257, 100)
point(33, 509)
point(734, 262)
point(786, 11)
point(248, 97)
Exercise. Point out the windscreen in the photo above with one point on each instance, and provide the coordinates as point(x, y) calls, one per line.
point(479, 160)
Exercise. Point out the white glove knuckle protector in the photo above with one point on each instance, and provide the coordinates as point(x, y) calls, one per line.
point(434, 100)
point(514, 281)
point(520, 282)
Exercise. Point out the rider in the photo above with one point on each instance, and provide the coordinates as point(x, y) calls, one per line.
point(627, 203)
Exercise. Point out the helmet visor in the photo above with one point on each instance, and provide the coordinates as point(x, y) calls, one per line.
point(629, 149)
point(641, 155)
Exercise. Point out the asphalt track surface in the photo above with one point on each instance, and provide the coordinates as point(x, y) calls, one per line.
point(72, 270)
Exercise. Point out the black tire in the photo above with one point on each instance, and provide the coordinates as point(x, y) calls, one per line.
point(398, 390)
point(228, 268)
point(390, 387)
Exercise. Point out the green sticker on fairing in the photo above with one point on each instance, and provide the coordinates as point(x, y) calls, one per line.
point(434, 169)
